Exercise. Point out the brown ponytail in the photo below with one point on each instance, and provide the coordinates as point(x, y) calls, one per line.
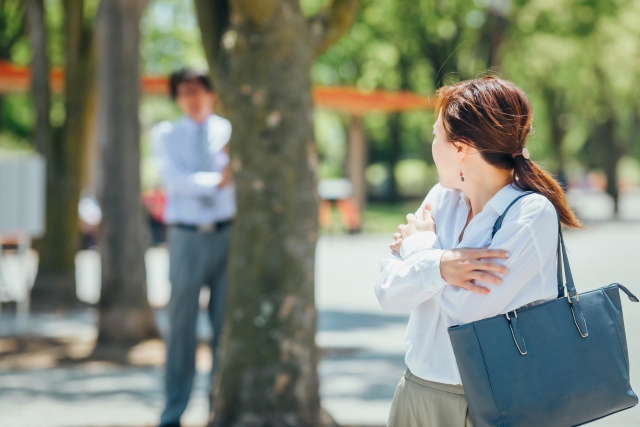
point(495, 116)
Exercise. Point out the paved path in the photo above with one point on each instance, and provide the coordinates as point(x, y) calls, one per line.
point(364, 346)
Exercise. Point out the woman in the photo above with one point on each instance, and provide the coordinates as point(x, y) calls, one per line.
point(434, 271)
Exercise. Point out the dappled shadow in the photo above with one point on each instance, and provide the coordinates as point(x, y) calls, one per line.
point(91, 382)
point(334, 320)
point(367, 375)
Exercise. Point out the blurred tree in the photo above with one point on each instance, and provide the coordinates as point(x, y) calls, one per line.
point(552, 49)
point(615, 127)
point(12, 26)
point(614, 63)
point(12, 29)
point(579, 57)
point(170, 37)
point(65, 149)
point(260, 53)
point(40, 88)
point(494, 19)
point(544, 65)
point(125, 315)
point(415, 45)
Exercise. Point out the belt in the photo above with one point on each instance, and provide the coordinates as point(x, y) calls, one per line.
point(204, 228)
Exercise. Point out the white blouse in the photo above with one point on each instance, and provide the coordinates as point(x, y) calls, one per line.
point(410, 281)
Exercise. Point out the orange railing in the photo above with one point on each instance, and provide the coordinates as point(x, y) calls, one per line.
point(15, 79)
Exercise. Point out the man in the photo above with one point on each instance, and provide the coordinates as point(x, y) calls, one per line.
point(192, 156)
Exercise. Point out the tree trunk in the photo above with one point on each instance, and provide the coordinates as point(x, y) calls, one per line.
point(492, 36)
point(80, 93)
point(555, 103)
point(395, 129)
point(125, 315)
point(261, 68)
point(40, 89)
point(357, 155)
point(609, 157)
point(55, 285)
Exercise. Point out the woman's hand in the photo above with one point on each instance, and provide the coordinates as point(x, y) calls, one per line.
point(459, 267)
point(414, 225)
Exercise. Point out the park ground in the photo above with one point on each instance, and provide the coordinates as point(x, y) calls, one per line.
point(42, 384)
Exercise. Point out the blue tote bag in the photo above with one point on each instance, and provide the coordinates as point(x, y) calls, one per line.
point(561, 363)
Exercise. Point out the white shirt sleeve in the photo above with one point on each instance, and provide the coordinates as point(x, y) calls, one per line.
point(404, 284)
point(531, 240)
point(411, 277)
point(174, 180)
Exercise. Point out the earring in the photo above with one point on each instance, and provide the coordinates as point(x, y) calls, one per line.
point(461, 176)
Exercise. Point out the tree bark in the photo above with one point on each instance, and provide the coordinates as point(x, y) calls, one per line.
point(55, 285)
point(492, 36)
point(395, 132)
point(40, 88)
point(605, 140)
point(125, 315)
point(555, 102)
point(357, 156)
point(80, 91)
point(261, 69)
point(609, 154)
point(393, 157)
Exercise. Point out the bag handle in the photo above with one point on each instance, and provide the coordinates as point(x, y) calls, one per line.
point(572, 293)
point(569, 285)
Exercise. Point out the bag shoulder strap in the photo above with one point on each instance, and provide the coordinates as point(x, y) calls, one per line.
point(561, 252)
point(498, 223)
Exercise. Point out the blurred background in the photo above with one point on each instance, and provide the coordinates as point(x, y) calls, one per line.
point(578, 60)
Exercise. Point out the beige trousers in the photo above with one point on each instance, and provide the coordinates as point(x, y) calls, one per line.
point(422, 403)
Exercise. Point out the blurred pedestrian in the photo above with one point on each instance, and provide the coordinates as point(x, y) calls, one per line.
point(192, 156)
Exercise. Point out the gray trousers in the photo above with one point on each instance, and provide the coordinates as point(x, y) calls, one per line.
point(421, 403)
point(195, 260)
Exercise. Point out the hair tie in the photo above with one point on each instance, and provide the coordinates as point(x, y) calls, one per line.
point(524, 153)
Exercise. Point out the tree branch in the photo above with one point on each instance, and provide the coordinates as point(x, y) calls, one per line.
point(330, 24)
point(213, 19)
point(257, 11)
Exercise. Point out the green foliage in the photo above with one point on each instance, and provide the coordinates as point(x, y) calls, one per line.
point(12, 27)
point(170, 37)
point(10, 145)
point(579, 61)
point(413, 45)
point(311, 7)
point(331, 139)
point(408, 44)
point(13, 123)
point(380, 218)
point(17, 115)
point(54, 17)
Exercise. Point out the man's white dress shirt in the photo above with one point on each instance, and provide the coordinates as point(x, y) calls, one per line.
point(410, 281)
point(191, 158)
